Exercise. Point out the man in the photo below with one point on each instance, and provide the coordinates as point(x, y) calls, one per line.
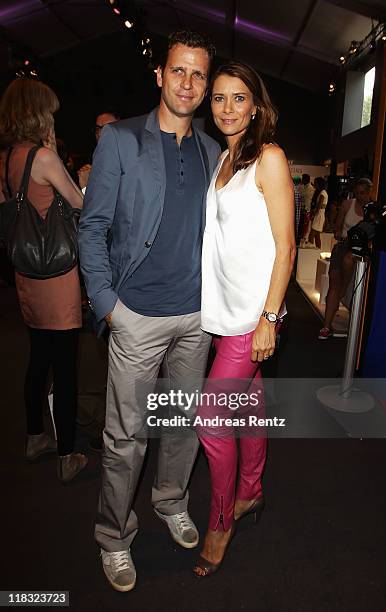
point(101, 120)
point(140, 244)
point(342, 262)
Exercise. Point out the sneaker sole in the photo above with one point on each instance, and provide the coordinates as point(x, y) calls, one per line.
point(117, 587)
point(180, 542)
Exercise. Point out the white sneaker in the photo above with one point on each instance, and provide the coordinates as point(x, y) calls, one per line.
point(181, 527)
point(119, 569)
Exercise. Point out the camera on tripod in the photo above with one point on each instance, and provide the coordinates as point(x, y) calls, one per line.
point(363, 233)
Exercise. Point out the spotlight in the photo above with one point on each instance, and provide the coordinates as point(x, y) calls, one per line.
point(353, 47)
point(117, 11)
point(342, 59)
point(26, 62)
point(129, 24)
point(331, 88)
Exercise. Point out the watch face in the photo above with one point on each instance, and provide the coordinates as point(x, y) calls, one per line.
point(271, 317)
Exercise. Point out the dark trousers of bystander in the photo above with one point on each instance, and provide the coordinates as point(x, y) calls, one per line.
point(57, 349)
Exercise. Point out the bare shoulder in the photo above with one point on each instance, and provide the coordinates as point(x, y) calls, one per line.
point(272, 154)
point(46, 156)
point(272, 167)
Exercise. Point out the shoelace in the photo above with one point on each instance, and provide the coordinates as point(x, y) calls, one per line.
point(183, 521)
point(120, 560)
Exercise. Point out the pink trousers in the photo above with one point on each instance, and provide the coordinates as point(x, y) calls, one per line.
point(233, 374)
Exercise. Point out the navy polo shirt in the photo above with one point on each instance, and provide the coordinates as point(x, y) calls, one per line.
point(168, 281)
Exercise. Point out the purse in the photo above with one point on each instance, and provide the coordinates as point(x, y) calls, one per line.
point(39, 248)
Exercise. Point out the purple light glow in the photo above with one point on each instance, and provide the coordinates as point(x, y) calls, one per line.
point(240, 24)
point(203, 10)
point(261, 32)
point(16, 10)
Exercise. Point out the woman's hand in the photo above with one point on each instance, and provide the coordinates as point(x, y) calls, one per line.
point(264, 340)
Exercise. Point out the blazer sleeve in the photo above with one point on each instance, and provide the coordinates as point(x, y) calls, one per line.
point(96, 219)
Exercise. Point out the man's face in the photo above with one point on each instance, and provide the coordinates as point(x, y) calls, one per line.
point(102, 120)
point(362, 195)
point(184, 79)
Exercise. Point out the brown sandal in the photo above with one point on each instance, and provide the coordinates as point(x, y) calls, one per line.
point(207, 566)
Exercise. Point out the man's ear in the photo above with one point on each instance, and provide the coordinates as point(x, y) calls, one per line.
point(159, 76)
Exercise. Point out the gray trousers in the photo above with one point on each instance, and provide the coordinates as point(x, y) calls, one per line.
point(138, 346)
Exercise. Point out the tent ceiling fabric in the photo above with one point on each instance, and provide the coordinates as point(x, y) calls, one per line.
point(299, 41)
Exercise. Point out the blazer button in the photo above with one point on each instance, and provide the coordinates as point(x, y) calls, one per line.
point(147, 244)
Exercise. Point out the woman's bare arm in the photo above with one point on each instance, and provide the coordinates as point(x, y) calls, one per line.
point(273, 176)
point(340, 219)
point(48, 169)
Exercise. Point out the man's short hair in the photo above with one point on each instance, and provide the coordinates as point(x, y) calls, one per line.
point(191, 39)
point(306, 179)
point(109, 111)
point(364, 182)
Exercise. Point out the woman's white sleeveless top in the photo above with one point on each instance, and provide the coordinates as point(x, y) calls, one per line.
point(238, 255)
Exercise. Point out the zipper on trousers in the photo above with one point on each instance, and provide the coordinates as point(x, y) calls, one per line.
point(221, 515)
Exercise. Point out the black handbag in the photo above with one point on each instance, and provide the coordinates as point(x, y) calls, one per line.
point(39, 248)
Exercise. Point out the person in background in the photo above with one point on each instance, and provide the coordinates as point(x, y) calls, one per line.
point(318, 212)
point(248, 254)
point(101, 120)
point(298, 206)
point(342, 262)
point(50, 307)
point(306, 194)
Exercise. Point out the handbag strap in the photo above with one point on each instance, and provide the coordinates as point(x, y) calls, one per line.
point(7, 185)
point(23, 189)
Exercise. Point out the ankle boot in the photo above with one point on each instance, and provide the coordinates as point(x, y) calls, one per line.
point(70, 465)
point(39, 444)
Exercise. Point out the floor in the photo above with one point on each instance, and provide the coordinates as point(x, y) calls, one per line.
point(319, 546)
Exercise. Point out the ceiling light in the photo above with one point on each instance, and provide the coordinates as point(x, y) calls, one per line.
point(342, 59)
point(129, 24)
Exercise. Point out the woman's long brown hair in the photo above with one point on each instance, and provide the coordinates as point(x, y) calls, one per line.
point(26, 112)
point(261, 129)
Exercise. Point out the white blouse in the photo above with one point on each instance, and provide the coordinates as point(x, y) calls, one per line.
point(238, 255)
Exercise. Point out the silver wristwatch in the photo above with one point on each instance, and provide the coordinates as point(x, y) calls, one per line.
point(272, 317)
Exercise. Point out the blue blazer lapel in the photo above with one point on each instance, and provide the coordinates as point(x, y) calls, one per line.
point(205, 165)
point(152, 144)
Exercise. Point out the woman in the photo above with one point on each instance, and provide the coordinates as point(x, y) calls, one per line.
point(51, 308)
point(248, 254)
point(318, 212)
point(342, 262)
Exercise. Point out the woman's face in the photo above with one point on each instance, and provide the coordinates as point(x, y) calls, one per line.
point(232, 105)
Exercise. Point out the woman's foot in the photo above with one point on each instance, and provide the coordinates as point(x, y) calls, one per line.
point(39, 444)
point(325, 333)
point(248, 506)
point(215, 545)
point(70, 465)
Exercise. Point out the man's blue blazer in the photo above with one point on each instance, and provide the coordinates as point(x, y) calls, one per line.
point(123, 204)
